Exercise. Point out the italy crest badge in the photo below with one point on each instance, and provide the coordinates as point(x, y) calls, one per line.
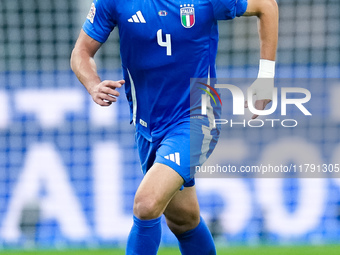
point(187, 15)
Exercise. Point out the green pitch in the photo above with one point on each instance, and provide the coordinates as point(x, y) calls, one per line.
point(269, 250)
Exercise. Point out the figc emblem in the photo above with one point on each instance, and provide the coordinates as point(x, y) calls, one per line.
point(187, 15)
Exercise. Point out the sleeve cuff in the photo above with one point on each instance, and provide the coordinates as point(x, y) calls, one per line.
point(241, 7)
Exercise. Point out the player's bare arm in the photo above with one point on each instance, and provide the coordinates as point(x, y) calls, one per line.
point(268, 14)
point(83, 65)
point(268, 26)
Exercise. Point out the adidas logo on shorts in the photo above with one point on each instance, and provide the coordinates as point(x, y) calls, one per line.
point(174, 157)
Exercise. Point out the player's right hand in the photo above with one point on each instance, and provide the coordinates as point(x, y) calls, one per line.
point(262, 89)
point(105, 93)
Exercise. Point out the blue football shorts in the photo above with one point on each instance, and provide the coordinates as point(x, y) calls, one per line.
point(185, 146)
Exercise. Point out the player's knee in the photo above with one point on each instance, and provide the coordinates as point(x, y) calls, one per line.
point(146, 208)
point(183, 222)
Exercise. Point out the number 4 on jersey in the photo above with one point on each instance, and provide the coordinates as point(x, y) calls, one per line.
point(167, 42)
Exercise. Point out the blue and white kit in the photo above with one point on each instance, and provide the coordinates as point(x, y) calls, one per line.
point(164, 43)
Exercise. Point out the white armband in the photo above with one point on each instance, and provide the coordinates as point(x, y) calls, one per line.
point(263, 87)
point(266, 69)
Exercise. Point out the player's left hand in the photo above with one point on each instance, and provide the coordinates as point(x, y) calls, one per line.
point(262, 89)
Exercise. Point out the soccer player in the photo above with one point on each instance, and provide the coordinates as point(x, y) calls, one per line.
point(164, 43)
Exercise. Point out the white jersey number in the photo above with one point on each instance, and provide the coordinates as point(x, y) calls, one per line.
point(167, 42)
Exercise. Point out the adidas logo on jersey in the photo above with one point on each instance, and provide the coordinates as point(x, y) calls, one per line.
point(137, 18)
point(174, 157)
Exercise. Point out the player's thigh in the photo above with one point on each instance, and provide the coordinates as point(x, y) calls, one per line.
point(183, 213)
point(157, 188)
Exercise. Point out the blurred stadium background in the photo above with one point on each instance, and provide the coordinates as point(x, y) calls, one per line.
point(69, 169)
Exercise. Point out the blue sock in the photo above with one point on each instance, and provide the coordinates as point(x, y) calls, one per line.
point(144, 237)
point(197, 241)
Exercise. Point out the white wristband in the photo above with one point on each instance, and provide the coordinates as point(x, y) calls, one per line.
point(266, 69)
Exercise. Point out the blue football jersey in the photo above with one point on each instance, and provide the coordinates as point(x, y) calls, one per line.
point(163, 43)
